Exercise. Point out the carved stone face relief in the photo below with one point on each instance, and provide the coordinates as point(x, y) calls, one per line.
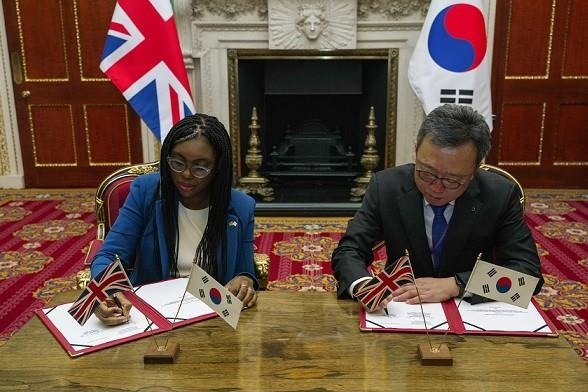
point(312, 24)
point(311, 21)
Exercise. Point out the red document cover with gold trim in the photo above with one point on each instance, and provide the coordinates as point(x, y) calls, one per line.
point(156, 309)
point(489, 318)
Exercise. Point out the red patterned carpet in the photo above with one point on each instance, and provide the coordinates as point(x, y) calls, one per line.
point(43, 236)
point(299, 251)
point(560, 229)
point(42, 241)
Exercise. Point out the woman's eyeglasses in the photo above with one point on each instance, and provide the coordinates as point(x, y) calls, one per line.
point(179, 166)
point(448, 183)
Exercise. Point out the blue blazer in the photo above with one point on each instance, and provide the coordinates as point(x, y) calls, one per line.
point(137, 236)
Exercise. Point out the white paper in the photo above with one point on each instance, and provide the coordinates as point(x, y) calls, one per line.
point(405, 316)
point(500, 316)
point(94, 332)
point(165, 297)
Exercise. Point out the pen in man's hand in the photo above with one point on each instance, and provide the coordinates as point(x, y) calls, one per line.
point(117, 301)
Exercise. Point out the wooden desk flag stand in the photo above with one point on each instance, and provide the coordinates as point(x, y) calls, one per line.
point(203, 286)
point(382, 285)
point(429, 354)
point(104, 288)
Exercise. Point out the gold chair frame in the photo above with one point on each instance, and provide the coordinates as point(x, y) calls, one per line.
point(504, 173)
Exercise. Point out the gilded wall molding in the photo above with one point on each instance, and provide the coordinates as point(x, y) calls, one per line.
point(8, 140)
point(4, 163)
point(392, 9)
point(229, 9)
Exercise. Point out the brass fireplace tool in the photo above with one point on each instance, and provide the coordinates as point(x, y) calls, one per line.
point(369, 159)
point(254, 182)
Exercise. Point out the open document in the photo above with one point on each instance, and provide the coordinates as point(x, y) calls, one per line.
point(490, 318)
point(155, 310)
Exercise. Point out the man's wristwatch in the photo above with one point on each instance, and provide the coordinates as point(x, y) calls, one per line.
point(461, 286)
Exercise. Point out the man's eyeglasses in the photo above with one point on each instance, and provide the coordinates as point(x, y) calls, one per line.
point(448, 183)
point(178, 166)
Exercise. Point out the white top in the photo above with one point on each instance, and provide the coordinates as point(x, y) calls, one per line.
point(191, 224)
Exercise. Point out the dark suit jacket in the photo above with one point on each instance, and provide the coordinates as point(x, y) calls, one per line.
point(487, 219)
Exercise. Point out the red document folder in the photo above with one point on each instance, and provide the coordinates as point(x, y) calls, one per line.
point(490, 318)
point(151, 314)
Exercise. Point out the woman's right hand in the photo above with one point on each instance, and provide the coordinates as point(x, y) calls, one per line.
point(114, 310)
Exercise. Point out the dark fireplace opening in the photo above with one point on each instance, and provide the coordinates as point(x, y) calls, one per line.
point(318, 138)
point(312, 112)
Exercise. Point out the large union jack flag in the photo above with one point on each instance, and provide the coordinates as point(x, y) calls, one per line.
point(112, 280)
point(142, 57)
point(383, 284)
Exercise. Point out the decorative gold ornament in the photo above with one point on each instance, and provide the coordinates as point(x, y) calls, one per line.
point(254, 182)
point(369, 159)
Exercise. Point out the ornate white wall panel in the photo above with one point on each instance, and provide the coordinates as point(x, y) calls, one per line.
point(207, 28)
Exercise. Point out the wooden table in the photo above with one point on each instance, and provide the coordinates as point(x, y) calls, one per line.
point(303, 341)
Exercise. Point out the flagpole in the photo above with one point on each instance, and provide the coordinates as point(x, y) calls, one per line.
point(472, 273)
point(465, 289)
point(166, 353)
point(420, 302)
point(149, 322)
point(179, 306)
point(439, 355)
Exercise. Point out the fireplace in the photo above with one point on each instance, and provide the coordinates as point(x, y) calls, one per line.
point(309, 129)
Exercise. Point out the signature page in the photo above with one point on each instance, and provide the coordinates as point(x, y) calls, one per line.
point(166, 296)
point(408, 317)
point(500, 316)
point(94, 333)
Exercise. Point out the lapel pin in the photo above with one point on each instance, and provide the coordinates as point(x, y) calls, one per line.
point(233, 223)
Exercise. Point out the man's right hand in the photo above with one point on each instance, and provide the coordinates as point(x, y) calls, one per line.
point(110, 313)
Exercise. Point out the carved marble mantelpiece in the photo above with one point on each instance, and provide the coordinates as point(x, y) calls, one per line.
point(219, 25)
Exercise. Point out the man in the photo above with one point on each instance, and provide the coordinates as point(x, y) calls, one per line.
point(477, 212)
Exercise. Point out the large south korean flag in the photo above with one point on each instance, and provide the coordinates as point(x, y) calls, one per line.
point(450, 62)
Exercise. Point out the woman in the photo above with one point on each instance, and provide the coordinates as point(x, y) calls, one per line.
point(187, 213)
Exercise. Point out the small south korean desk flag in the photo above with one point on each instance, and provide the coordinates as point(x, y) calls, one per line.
point(450, 61)
point(501, 284)
point(203, 286)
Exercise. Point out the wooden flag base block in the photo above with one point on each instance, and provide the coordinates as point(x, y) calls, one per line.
point(161, 354)
point(438, 355)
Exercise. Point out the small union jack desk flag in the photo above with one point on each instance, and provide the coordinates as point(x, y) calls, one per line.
point(383, 284)
point(112, 280)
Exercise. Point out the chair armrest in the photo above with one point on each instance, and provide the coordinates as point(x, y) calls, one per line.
point(261, 262)
point(94, 247)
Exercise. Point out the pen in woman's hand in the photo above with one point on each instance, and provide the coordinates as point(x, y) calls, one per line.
point(119, 305)
point(117, 301)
